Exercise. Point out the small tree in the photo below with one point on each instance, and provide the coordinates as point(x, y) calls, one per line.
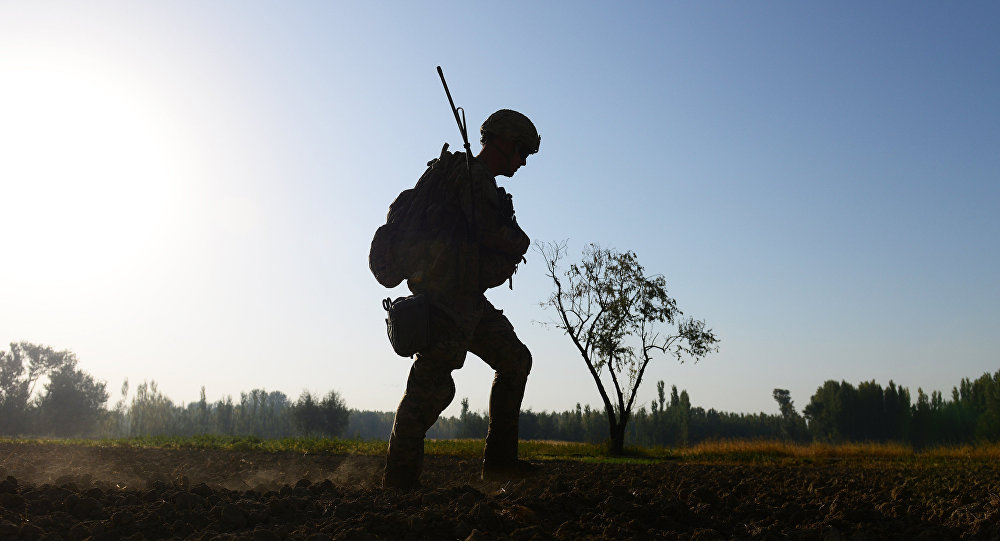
point(333, 414)
point(151, 413)
point(793, 426)
point(470, 423)
point(73, 401)
point(327, 417)
point(20, 370)
point(14, 392)
point(619, 319)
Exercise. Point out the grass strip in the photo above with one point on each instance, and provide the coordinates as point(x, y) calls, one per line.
point(737, 451)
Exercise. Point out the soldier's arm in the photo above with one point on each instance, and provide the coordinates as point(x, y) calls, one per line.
point(494, 229)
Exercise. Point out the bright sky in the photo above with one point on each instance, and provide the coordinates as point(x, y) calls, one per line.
point(188, 190)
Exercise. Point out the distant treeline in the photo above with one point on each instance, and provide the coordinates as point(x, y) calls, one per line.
point(70, 403)
point(842, 412)
point(670, 421)
point(838, 412)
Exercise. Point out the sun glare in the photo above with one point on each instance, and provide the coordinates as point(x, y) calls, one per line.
point(83, 175)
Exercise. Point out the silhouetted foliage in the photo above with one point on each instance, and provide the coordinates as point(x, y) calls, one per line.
point(672, 422)
point(327, 417)
point(258, 413)
point(367, 425)
point(619, 319)
point(471, 425)
point(793, 425)
point(151, 412)
point(840, 412)
point(72, 400)
point(72, 403)
point(14, 391)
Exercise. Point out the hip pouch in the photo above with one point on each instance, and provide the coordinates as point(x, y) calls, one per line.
point(408, 324)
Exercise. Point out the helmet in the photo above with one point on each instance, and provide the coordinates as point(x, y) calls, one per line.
point(514, 126)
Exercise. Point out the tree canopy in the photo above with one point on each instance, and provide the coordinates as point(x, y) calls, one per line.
point(619, 319)
point(70, 404)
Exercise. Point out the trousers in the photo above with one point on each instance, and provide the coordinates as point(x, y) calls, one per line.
point(489, 335)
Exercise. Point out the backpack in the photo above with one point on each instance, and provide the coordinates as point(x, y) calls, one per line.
point(407, 215)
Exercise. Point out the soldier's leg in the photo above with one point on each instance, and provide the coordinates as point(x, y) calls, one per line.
point(496, 343)
point(429, 390)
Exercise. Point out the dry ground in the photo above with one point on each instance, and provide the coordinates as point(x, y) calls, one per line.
point(68, 492)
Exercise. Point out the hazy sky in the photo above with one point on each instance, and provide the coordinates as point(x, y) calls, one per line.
point(188, 190)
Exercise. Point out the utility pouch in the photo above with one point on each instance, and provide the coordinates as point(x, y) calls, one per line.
point(407, 322)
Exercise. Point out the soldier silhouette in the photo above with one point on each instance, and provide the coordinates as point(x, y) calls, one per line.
point(470, 242)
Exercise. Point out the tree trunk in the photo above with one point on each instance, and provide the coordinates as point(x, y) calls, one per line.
point(616, 446)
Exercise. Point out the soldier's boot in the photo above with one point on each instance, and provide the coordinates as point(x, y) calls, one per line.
point(500, 461)
point(403, 463)
point(428, 393)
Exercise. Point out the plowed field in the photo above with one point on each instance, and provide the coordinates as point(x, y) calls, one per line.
point(68, 492)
